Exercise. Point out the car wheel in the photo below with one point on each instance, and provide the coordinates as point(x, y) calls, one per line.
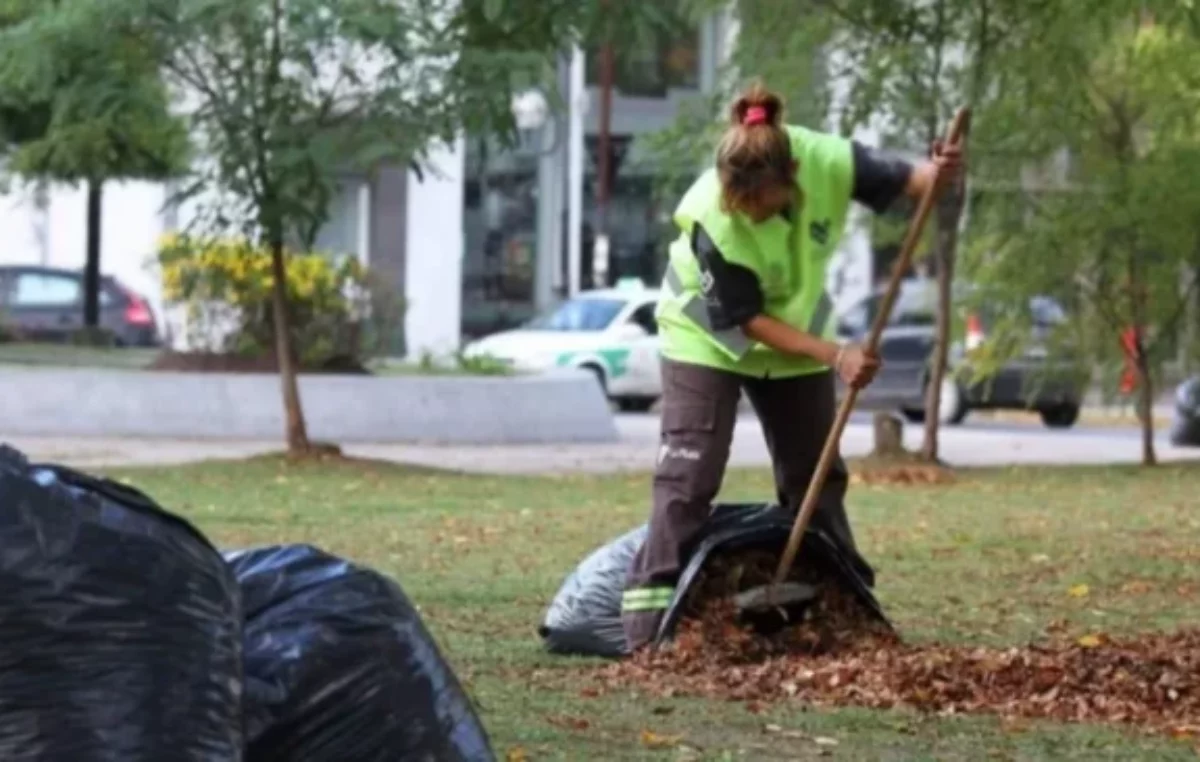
point(1060, 417)
point(599, 374)
point(953, 409)
point(913, 415)
point(635, 404)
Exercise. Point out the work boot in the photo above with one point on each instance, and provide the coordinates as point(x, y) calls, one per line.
point(641, 628)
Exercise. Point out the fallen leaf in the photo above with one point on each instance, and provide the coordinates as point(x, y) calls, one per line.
point(570, 723)
point(1078, 591)
point(652, 740)
point(785, 732)
point(837, 656)
point(516, 754)
point(1137, 587)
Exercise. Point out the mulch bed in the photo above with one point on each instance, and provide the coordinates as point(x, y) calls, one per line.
point(900, 468)
point(223, 362)
point(894, 475)
point(840, 656)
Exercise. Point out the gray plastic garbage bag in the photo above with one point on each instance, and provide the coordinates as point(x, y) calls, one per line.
point(584, 617)
point(120, 636)
point(340, 668)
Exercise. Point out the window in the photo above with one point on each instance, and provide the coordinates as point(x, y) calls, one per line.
point(904, 349)
point(345, 229)
point(579, 315)
point(644, 317)
point(914, 318)
point(1046, 312)
point(44, 290)
point(857, 320)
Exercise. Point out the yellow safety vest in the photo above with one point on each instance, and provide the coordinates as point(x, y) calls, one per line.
point(790, 259)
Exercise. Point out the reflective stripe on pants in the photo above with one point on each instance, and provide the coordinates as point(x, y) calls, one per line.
point(646, 599)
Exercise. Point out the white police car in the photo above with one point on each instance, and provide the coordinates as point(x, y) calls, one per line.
point(609, 332)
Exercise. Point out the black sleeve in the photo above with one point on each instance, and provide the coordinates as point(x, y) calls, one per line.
point(732, 292)
point(878, 179)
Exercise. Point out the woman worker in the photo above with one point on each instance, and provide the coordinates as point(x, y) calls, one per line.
point(744, 308)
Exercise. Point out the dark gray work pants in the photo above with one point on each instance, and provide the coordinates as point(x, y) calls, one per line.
point(699, 410)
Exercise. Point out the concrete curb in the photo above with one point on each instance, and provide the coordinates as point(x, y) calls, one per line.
point(560, 407)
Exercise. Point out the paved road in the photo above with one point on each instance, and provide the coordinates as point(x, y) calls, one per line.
point(978, 442)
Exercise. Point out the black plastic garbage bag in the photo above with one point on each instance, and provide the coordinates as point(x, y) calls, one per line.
point(120, 629)
point(340, 668)
point(584, 617)
point(732, 528)
point(1185, 427)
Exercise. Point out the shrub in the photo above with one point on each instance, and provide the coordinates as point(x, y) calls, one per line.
point(338, 310)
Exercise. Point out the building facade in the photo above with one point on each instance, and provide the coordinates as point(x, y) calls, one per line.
point(487, 235)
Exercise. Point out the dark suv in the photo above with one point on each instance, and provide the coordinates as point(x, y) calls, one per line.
point(1034, 381)
point(46, 304)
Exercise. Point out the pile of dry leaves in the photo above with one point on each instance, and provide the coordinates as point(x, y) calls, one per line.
point(841, 656)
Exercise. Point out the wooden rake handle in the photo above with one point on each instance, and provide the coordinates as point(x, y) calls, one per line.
point(809, 506)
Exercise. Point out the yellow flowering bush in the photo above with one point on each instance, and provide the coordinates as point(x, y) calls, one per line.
point(330, 299)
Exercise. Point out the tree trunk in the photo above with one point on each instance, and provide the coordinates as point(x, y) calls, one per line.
point(1145, 406)
point(91, 268)
point(297, 430)
point(945, 244)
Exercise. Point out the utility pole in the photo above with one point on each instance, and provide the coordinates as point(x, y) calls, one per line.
point(600, 255)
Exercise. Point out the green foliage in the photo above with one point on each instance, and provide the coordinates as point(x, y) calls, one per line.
point(462, 364)
point(92, 110)
point(337, 309)
point(1109, 218)
point(783, 56)
point(285, 96)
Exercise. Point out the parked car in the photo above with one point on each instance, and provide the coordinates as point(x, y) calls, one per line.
point(46, 304)
point(1034, 381)
point(1185, 426)
point(609, 332)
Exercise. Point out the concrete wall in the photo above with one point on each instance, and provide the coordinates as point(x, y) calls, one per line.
point(434, 253)
point(565, 407)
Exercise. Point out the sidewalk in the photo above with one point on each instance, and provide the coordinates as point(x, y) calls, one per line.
point(980, 445)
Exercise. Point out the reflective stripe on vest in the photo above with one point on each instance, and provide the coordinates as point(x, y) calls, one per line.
point(733, 339)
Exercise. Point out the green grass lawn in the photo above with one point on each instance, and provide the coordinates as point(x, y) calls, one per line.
point(992, 559)
point(68, 355)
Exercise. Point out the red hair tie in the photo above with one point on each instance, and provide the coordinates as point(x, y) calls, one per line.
point(755, 115)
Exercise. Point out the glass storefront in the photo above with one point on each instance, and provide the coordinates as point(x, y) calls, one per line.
point(501, 192)
point(500, 221)
point(636, 224)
